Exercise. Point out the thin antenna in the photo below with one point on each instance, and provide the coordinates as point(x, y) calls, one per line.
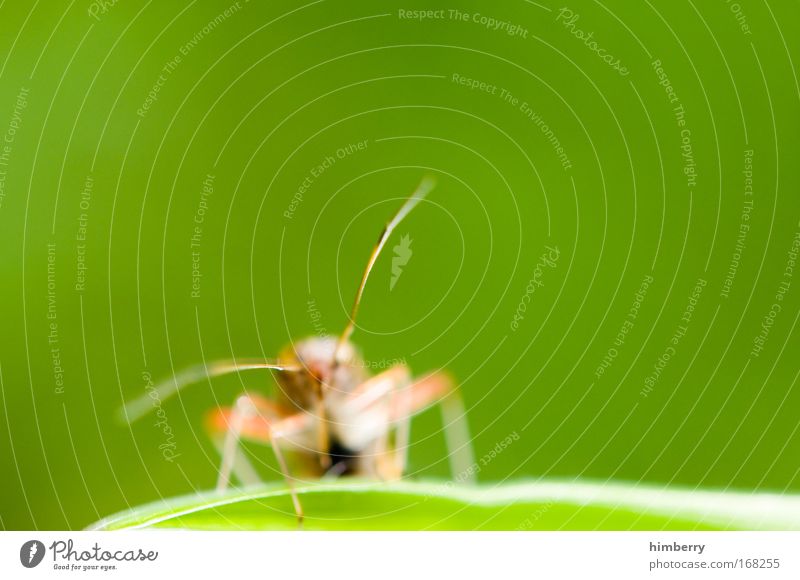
point(139, 407)
point(425, 186)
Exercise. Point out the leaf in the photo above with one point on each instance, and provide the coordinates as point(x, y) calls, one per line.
point(554, 505)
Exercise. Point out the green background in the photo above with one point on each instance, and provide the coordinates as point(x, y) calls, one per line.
point(263, 96)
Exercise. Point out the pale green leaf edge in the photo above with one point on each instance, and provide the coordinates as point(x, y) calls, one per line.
point(721, 509)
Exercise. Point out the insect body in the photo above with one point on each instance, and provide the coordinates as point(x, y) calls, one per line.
point(330, 414)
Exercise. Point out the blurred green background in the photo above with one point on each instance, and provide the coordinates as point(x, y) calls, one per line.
point(557, 148)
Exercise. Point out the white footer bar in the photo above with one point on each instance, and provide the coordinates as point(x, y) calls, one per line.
point(390, 555)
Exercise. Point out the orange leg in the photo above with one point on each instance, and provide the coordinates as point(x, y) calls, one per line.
point(261, 420)
point(404, 401)
point(439, 388)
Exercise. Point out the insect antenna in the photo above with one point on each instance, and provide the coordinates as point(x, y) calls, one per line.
point(425, 186)
point(140, 406)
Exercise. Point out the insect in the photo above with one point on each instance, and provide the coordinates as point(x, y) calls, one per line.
point(329, 413)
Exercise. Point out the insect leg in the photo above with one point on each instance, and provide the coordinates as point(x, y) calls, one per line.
point(399, 450)
point(298, 509)
point(379, 398)
point(406, 401)
point(458, 438)
point(243, 409)
point(368, 410)
point(242, 468)
point(402, 433)
point(440, 388)
point(245, 419)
